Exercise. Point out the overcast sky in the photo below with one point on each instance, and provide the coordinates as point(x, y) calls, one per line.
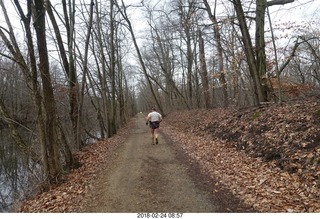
point(299, 10)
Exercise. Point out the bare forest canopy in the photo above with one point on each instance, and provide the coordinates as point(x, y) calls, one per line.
point(72, 72)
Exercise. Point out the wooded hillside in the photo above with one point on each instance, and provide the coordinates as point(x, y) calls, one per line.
point(269, 156)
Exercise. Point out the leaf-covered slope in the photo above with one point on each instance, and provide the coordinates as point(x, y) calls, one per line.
point(269, 156)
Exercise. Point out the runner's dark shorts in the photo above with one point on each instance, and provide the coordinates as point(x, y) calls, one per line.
point(154, 125)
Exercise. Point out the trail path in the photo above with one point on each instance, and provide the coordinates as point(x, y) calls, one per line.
point(150, 178)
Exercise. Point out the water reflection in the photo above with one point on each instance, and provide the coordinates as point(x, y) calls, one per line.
point(18, 174)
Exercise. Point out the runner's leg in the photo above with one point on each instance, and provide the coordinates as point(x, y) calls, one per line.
point(156, 134)
point(152, 135)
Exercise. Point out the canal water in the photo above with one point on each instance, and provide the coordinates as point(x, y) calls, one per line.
point(18, 174)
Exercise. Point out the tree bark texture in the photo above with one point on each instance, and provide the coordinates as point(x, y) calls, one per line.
point(51, 125)
point(258, 94)
point(204, 72)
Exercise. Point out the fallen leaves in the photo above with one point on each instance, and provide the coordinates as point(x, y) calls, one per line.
point(267, 156)
point(68, 196)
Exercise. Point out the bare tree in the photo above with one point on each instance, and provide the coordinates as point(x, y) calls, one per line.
point(187, 12)
point(256, 58)
point(112, 56)
point(204, 72)
point(47, 117)
point(217, 38)
point(85, 73)
point(123, 11)
point(161, 58)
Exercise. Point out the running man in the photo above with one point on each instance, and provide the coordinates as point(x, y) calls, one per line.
point(154, 118)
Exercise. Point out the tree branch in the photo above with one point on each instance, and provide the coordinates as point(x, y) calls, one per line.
point(278, 2)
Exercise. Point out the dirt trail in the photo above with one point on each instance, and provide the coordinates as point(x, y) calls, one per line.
point(150, 178)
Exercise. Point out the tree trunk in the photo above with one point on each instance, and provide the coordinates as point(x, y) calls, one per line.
point(217, 38)
point(257, 66)
point(69, 21)
point(204, 72)
point(189, 66)
point(102, 75)
point(112, 72)
point(84, 75)
point(67, 150)
point(45, 127)
point(51, 125)
point(121, 96)
point(260, 47)
point(258, 94)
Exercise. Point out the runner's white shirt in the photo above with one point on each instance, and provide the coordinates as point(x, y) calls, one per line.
point(154, 116)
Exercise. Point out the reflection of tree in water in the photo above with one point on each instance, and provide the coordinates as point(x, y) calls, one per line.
point(17, 173)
